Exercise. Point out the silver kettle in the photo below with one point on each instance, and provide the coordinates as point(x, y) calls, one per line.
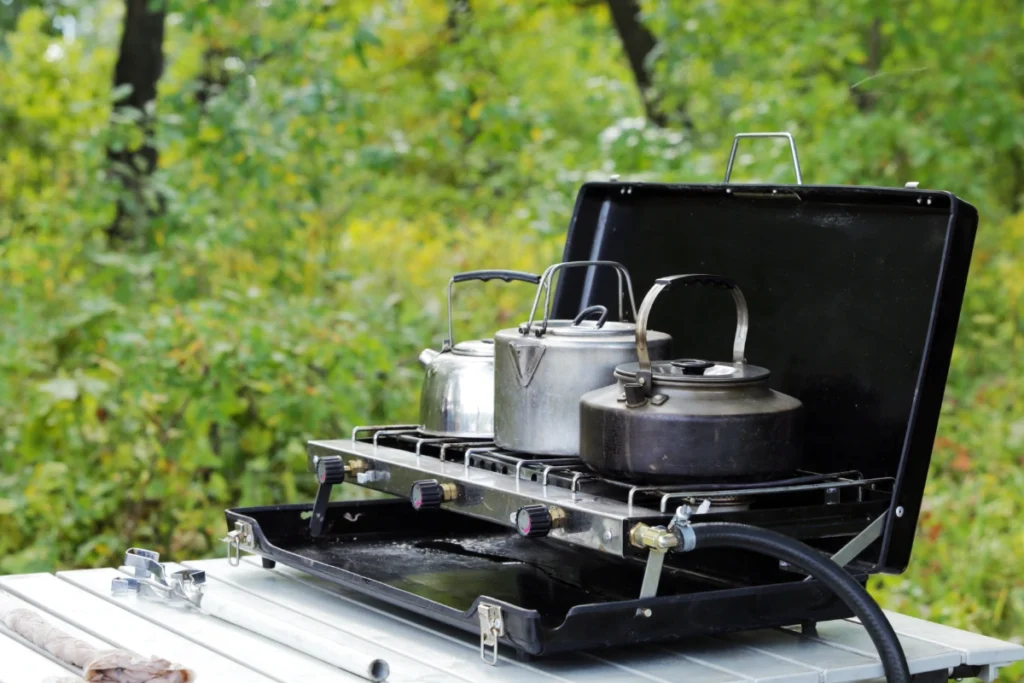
point(457, 398)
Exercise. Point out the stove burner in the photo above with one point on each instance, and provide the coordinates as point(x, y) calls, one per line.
point(570, 473)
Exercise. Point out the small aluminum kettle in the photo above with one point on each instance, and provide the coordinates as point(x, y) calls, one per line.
point(457, 398)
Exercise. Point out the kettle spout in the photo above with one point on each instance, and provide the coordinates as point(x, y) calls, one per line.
point(427, 357)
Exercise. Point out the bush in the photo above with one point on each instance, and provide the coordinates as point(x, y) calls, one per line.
point(324, 168)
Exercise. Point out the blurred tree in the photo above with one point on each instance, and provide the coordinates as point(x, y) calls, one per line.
point(325, 166)
point(639, 45)
point(140, 63)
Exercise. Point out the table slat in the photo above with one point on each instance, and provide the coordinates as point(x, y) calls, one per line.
point(121, 628)
point(20, 664)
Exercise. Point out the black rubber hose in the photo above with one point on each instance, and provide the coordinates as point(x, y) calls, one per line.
point(805, 558)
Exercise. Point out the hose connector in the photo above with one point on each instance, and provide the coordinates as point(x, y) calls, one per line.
point(680, 526)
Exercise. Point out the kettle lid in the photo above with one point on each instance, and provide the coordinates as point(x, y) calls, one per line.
point(570, 328)
point(695, 371)
point(475, 347)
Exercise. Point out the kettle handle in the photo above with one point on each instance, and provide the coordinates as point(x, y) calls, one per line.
point(545, 286)
point(483, 275)
point(739, 342)
point(602, 312)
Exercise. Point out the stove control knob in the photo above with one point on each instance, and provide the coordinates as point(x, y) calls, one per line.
point(330, 470)
point(428, 494)
point(534, 521)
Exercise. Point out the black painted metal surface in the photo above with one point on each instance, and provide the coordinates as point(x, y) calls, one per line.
point(854, 296)
point(652, 446)
point(553, 597)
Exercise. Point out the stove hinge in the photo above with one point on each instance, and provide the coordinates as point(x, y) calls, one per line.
point(492, 627)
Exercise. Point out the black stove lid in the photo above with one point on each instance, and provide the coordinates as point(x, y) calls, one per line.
point(854, 296)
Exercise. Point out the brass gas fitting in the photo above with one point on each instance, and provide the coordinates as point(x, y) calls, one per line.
point(652, 537)
point(356, 466)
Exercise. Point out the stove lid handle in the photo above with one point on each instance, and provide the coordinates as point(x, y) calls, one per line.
point(739, 343)
point(792, 150)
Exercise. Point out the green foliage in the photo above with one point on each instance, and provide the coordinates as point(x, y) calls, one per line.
point(967, 565)
point(324, 167)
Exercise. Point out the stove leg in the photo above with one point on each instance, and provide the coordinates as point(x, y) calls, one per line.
point(323, 497)
point(330, 470)
point(268, 563)
point(809, 628)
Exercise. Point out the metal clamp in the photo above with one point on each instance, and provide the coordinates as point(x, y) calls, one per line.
point(492, 627)
point(146, 563)
point(241, 536)
point(144, 575)
point(787, 136)
point(739, 343)
point(680, 525)
point(545, 288)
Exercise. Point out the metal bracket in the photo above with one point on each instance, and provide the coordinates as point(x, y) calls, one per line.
point(652, 573)
point(492, 627)
point(144, 575)
point(146, 563)
point(858, 543)
point(241, 536)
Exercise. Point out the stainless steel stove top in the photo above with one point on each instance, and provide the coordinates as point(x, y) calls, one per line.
point(565, 500)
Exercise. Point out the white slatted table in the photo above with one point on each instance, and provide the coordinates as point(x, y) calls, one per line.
point(421, 652)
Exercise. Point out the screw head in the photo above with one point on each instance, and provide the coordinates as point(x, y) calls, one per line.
point(899, 511)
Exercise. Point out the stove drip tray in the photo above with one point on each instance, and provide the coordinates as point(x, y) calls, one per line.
point(455, 569)
point(554, 597)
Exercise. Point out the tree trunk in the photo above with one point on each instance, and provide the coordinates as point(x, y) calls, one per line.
point(865, 98)
point(638, 43)
point(139, 65)
point(459, 14)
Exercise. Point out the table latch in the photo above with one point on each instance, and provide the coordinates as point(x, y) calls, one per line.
point(492, 627)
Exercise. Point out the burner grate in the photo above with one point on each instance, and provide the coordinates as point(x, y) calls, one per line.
point(570, 473)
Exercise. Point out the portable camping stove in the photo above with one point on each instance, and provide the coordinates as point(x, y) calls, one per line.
point(856, 292)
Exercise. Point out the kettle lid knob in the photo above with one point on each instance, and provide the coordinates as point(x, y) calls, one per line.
point(693, 366)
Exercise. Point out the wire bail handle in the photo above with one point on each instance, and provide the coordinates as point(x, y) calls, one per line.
point(739, 343)
point(483, 275)
point(545, 288)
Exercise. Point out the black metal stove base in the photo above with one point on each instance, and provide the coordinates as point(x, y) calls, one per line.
point(553, 597)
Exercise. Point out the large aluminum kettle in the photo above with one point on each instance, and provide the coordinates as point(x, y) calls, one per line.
point(457, 398)
point(542, 368)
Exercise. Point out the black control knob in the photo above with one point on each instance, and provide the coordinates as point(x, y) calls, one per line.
point(534, 521)
point(330, 470)
point(426, 494)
